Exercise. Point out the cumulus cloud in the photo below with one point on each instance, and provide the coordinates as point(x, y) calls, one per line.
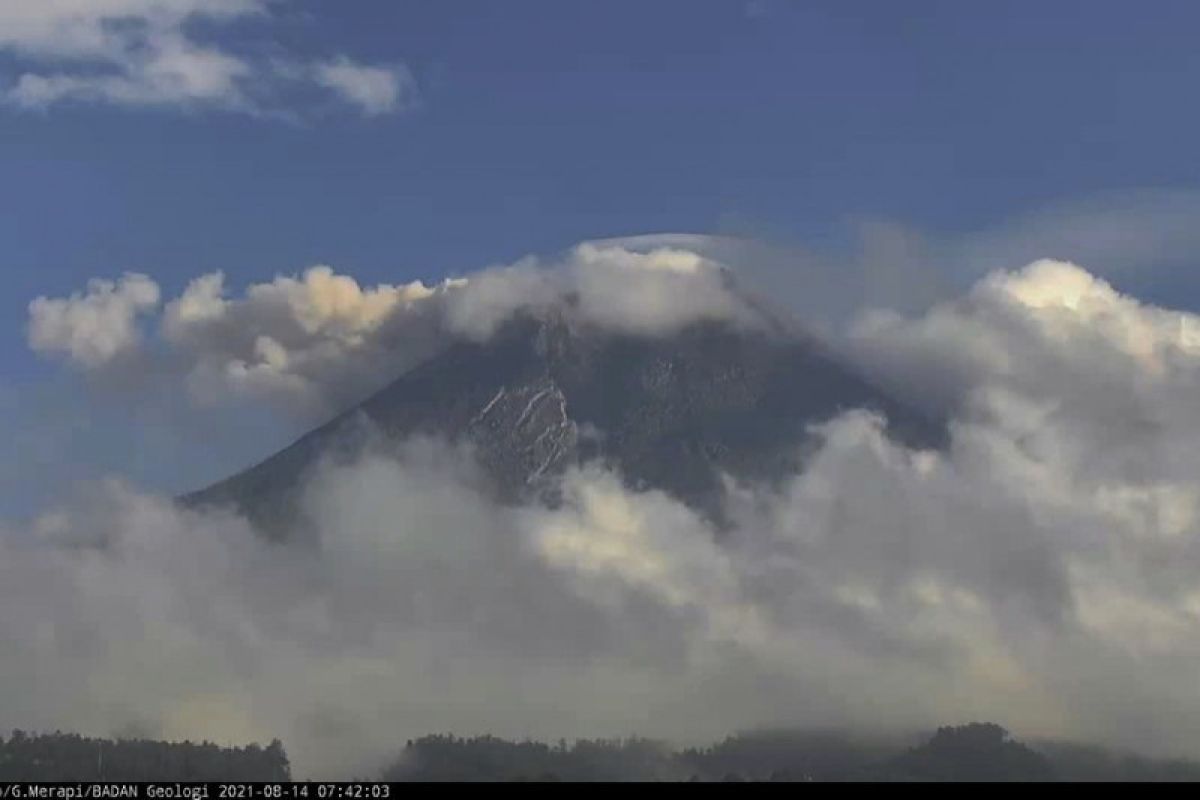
point(311, 343)
point(315, 343)
point(1050, 328)
point(95, 327)
point(146, 53)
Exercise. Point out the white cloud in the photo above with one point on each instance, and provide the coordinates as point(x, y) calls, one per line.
point(650, 291)
point(90, 28)
point(312, 343)
point(317, 343)
point(655, 291)
point(176, 73)
point(95, 327)
point(1050, 327)
point(420, 609)
point(144, 53)
point(376, 90)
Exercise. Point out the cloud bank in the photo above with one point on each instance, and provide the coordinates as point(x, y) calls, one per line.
point(314, 343)
point(148, 53)
point(1040, 571)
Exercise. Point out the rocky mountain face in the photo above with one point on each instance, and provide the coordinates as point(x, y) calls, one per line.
point(670, 412)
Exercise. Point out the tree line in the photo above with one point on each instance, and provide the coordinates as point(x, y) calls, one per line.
point(973, 752)
point(71, 757)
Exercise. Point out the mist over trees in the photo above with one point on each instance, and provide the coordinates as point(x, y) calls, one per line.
point(488, 758)
point(71, 757)
point(972, 752)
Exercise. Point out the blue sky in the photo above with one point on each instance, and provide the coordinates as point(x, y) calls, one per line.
point(534, 124)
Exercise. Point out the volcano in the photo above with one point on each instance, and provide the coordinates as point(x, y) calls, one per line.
point(670, 412)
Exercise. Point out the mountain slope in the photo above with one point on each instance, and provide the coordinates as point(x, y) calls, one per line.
point(668, 412)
